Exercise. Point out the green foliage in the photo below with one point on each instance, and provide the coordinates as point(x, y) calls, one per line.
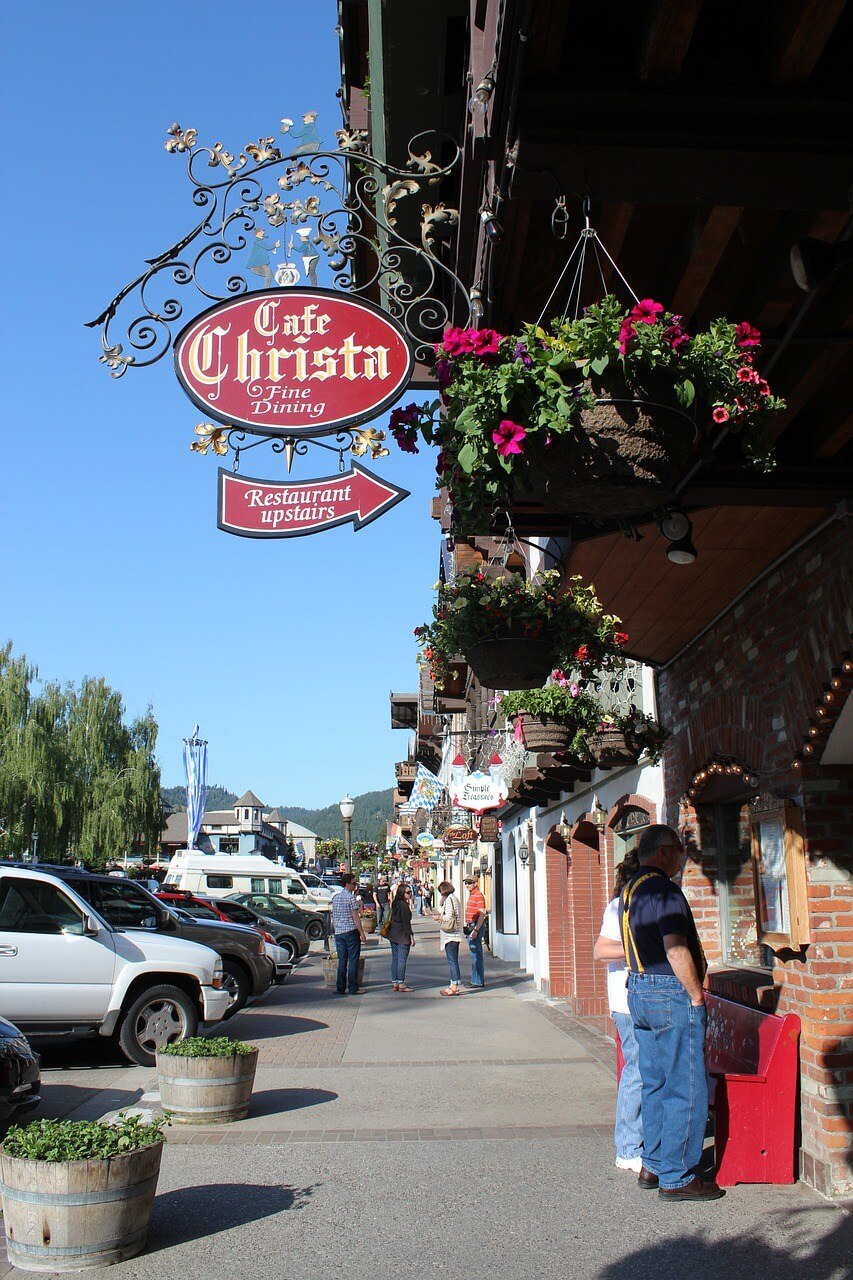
point(204, 1047)
point(537, 385)
point(62, 1140)
point(331, 850)
point(371, 809)
point(72, 770)
point(646, 733)
point(475, 607)
point(217, 798)
point(554, 702)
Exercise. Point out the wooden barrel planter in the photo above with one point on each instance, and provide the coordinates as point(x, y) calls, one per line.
point(368, 922)
point(623, 460)
point(74, 1214)
point(206, 1090)
point(541, 733)
point(512, 661)
point(612, 747)
point(330, 971)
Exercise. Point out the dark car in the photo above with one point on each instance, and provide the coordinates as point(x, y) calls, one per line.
point(20, 1078)
point(125, 905)
point(290, 937)
point(275, 906)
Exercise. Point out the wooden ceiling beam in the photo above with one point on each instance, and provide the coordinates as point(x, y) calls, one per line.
point(804, 30)
point(721, 224)
point(670, 32)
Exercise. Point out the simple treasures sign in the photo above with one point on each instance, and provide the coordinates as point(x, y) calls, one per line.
point(293, 362)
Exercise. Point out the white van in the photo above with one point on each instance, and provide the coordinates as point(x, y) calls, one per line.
point(220, 875)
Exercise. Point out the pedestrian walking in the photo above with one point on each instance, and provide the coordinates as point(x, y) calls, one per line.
point(382, 897)
point(475, 920)
point(667, 1003)
point(349, 935)
point(449, 916)
point(426, 897)
point(401, 937)
point(628, 1132)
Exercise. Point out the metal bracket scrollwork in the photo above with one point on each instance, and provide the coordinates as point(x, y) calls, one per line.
point(360, 235)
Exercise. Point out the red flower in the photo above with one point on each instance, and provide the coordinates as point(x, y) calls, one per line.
point(508, 437)
point(720, 414)
point(583, 653)
point(621, 638)
point(647, 311)
point(746, 335)
point(745, 374)
point(763, 386)
point(455, 342)
point(675, 335)
point(484, 342)
point(626, 333)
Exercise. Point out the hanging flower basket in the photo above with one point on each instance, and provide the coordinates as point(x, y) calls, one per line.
point(541, 733)
point(598, 417)
point(512, 661)
point(555, 718)
point(513, 631)
point(612, 747)
point(624, 460)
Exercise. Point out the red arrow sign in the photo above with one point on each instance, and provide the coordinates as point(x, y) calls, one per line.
point(275, 509)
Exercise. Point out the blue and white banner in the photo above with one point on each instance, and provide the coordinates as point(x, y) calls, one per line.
point(195, 763)
point(426, 793)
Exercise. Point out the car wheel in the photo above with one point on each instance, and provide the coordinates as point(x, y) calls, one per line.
point(236, 982)
point(288, 946)
point(158, 1017)
point(315, 930)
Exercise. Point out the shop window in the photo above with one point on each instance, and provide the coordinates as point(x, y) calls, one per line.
point(779, 873)
point(627, 827)
point(229, 844)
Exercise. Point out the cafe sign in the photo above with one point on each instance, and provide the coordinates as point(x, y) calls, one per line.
point(454, 837)
point(293, 362)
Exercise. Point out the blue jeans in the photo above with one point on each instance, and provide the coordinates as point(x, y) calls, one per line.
point(383, 914)
point(451, 950)
point(348, 946)
point(478, 971)
point(670, 1035)
point(399, 959)
point(628, 1133)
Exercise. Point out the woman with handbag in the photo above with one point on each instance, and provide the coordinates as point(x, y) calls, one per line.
point(399, 934)
point(449, 918)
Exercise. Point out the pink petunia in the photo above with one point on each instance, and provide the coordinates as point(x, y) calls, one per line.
point(456, 342)
point(675, 335)
point(574, 690)
point(720, 414)
point(508, 437)
point(626, 335)
point(746, 335)
point(745, 374)
point(484, 342)
point(647, 311)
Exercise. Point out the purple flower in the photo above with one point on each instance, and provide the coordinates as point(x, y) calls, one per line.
point(521, 353)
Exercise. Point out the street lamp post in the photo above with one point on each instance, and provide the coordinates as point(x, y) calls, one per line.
point(347, 807)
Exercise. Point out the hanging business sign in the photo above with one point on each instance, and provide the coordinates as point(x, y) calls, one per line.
point(489, 828)
point(293, 362)
point(454, 837)
point(285, 509)
point(425, 839)
point(480, 791)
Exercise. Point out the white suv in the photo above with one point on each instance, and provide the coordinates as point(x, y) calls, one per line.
point(65, 971)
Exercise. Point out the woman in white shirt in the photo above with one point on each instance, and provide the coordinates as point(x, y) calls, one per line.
point(628, 1132)
point(449, 916)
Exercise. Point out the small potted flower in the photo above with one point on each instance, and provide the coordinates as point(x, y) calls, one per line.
point(79, 1193)
point(556, 718)
point(368, 920)
point(206, 1080)
point(597, 417)
point(622, 739)
point(513, 631)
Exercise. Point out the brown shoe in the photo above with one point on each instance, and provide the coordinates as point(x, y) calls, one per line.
point(646, 1180)
point(695, 1189)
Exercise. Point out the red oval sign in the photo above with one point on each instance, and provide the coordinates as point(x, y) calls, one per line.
point(293, 362)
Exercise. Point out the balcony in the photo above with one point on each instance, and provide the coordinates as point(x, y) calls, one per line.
point(404, 710)
point(406, 771)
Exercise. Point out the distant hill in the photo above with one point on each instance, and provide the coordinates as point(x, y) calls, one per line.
point(372, 811)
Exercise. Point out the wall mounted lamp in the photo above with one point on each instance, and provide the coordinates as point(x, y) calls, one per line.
point(482, 95)
point(493, 229)
point(677, 528)
point(598, 814)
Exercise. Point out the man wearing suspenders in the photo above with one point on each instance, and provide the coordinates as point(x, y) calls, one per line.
point(667, 1003)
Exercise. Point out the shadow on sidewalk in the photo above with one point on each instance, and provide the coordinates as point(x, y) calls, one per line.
point(192, 1213)
point(801, 1250)
point(269, 1102)
point(273, 1025)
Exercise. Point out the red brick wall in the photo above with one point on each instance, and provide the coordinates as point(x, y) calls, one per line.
point(750, 688)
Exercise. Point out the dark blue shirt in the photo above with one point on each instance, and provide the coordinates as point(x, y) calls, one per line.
point(657, 908)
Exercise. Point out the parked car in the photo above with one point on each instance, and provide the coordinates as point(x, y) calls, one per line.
point(287, 937)
point(291, 935)
point(20, 1077)
point(65, 970)
point(221, 875)
point(127, 906)
point(274, 906)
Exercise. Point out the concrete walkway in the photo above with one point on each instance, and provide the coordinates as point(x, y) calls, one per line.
point(395, 1135)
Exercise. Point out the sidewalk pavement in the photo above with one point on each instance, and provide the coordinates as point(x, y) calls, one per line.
point(413, 1134)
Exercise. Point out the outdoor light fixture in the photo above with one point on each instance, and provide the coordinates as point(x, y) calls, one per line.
point(597, 814)
point(814, 261)
point(347, 808)
point(476, 305)
point(677, 528)
point(482, 95)
point(682, 551)
point(494, 230)
point(563, 827)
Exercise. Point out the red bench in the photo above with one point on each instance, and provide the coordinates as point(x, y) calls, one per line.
point(752, 1058)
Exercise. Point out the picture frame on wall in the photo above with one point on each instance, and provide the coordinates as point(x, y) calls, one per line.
point(779, 871)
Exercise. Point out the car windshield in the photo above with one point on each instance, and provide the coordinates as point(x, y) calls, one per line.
point(126, 906)
point(314, 881)
point(282, 904)
point(236, 911)
point(198, 912)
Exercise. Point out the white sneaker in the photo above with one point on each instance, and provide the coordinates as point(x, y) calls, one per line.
point(635, 1165)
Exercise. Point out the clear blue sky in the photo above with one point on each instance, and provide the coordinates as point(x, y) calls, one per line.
point(283, 651)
